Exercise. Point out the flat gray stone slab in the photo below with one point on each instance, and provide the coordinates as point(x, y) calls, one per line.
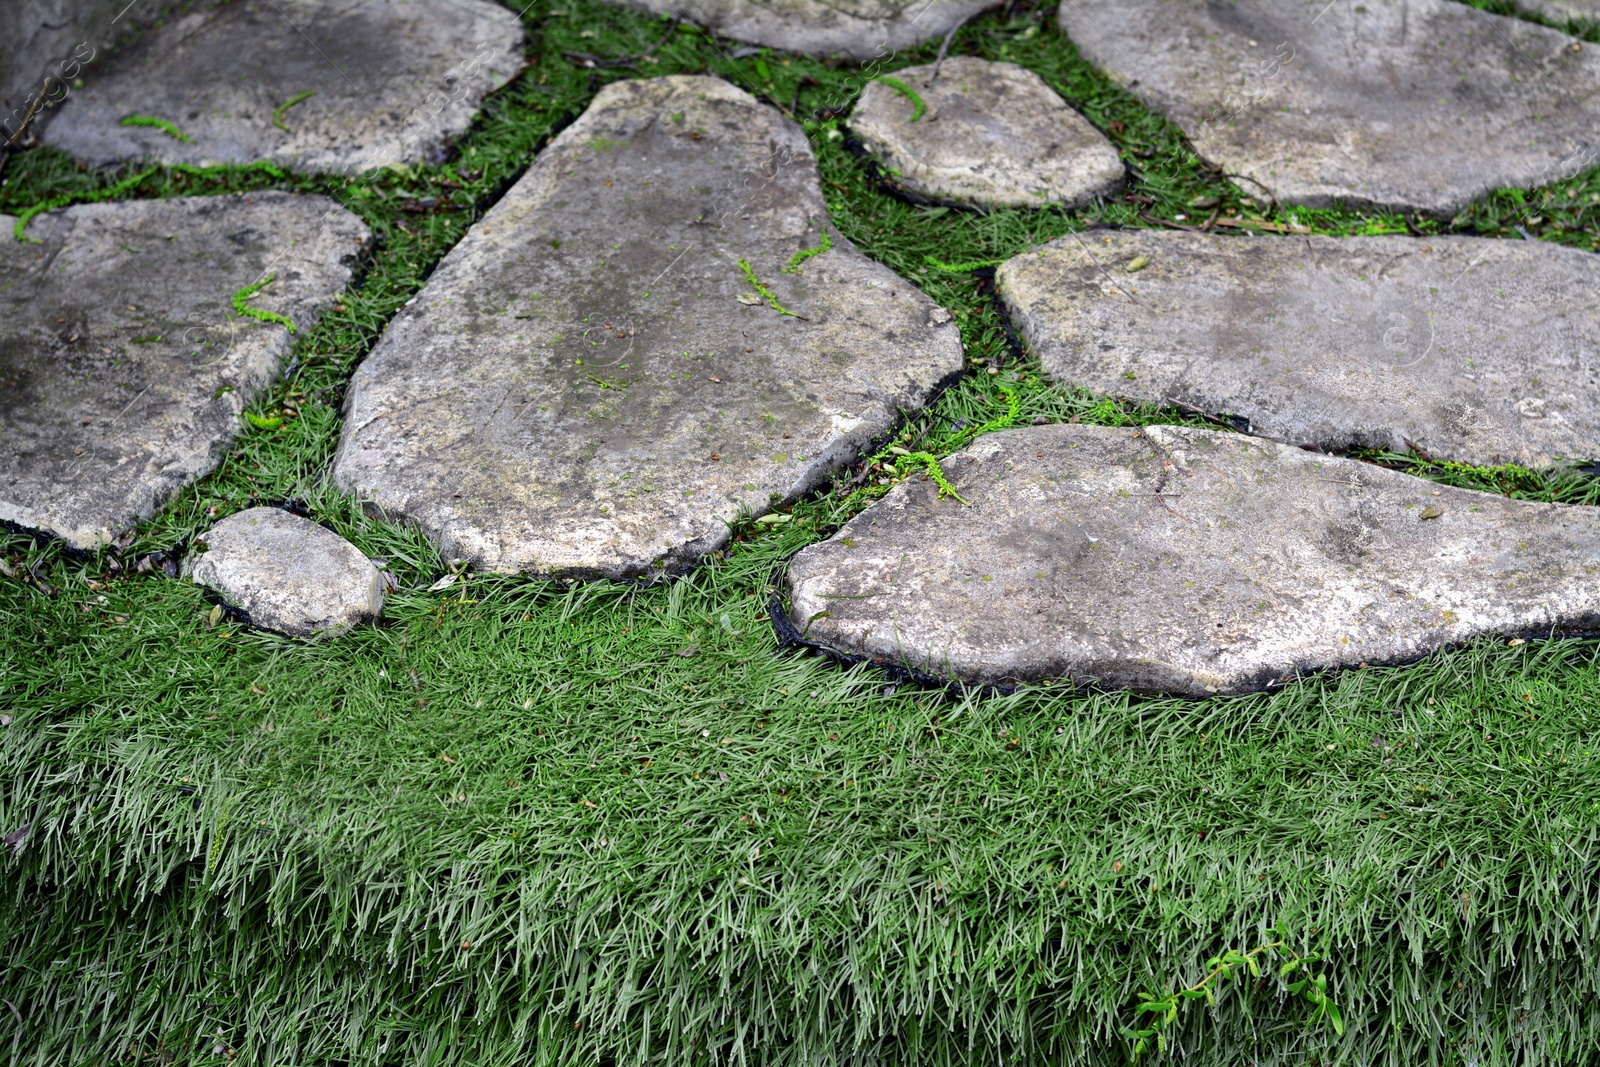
point(1476, 350)
point(1185, 561)
point(393, 81)
point(589, 385)
point(1408, 104)
point(123, 367)
point(287, 573)
point(991, 134)
point(861, 29)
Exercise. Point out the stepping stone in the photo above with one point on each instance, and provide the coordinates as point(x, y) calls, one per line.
point(591, 385)
point(124, 369)
point(1410, 105)
point(287, 573)
point(861, 30)
point(990, 134)
point(1474, 349)
point(1184, 561)
point(316, 85)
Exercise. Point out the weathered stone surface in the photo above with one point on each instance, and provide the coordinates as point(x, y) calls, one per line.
point(1474, 349)
point(992, 134)
point(1188, 561)
point(590, 385)
point(1565, 9)
point(287, 573)
point(1408, 104)
point(861, 29)
point(123, 368)
point(46, 44)
point(393, 82)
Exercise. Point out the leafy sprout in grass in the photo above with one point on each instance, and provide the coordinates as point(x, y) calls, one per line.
point(279, 111)
point(159, 124)
point(241, 304)
point(917, 106)
point(762, 290)
point(806, 253)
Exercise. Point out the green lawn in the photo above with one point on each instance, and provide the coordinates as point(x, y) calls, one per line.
point(527, 822)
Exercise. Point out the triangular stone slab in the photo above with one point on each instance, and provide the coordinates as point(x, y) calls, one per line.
point(1471, 349)
point(124, 369)
point(861, 29)
point(1185, 561)
point(591, 384)
point(316, 85)
point(1408, 104)
point(990, 134)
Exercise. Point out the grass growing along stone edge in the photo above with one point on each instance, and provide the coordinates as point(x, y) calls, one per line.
point(605, 822)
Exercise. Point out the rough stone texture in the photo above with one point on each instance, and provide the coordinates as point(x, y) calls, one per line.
point(861, 29)
point(394, 81)
point(1565, 9)
point(287, 573)
point(588, 384)
point(55, 39)
point(1406, 104)
point(1188, 561)
point(123, 368)
point(993, 134)
point(1475, 349)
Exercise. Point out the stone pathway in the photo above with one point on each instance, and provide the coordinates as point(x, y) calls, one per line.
point(637, 343)
point(316, 85)
point(287, 573)
point(860, 29)
point(1409, 104)
point(989, 134)
point(123, 367)
point(1477, 350)
point(1187, 561)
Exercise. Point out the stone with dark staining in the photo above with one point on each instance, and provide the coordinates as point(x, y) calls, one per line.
point(860, 29)
point(47, 44)
point(123, 367)
point(287, 573)
point(1184, 561)
point(991, 135)
point(590, 385)
point(1472, 349)
point(1408, 105)
point(393, 83)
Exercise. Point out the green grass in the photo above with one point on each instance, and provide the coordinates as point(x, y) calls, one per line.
point(525, 822)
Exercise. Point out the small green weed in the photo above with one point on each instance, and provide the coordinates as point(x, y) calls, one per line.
point(160, 124)
point(917, 106)
point(278, 112)
point(242, 306)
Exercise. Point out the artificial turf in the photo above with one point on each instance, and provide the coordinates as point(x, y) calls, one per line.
point(527, 822)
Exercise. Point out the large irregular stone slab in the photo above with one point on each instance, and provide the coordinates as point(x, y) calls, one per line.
point(1408, 104)
point(1472, 349)
point(990, 134)
point(861, 29)
point(592, 385)
point(124, 369)
point(287, 573)
point(1186, 561)
point(317, 85)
